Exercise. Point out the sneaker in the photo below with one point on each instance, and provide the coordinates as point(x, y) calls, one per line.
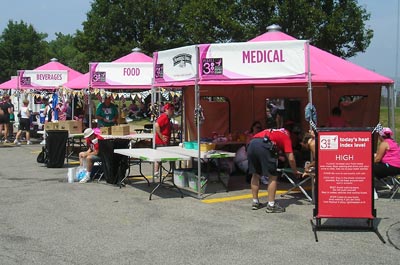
point(85, 179)
point(6, 141)
point(256, 205)
point(16, 141)
point(156, 176)
point(275, 209)
point(43, 142)
point(28, 142)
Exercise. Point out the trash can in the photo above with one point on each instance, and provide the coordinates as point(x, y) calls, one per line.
point(56, 141)
point(114, 165)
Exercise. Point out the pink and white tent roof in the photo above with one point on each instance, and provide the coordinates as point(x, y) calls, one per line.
point(79, 82)
point(325, 68)
point(10, 84)
point(52, 65)
point(328, 68)
point(134, 57)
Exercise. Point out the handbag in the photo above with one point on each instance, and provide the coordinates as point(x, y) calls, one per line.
point(42, 156)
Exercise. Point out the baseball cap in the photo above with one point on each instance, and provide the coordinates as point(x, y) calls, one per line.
point(168, 106)
point(386, 132)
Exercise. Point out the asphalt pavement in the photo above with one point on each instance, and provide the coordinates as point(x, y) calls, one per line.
point(46, 220)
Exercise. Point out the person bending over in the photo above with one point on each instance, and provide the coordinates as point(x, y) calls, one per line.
point(262, 156)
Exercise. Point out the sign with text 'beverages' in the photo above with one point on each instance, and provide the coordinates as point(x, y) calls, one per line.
point(42, 78)
point(344, 160)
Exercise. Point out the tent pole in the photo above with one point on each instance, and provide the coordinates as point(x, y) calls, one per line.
point(153, 95)
point(197, 116)
point(309, 89)
point(72, 101)
point(391, 120)
point(89, 101)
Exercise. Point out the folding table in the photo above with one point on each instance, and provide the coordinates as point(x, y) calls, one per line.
point(155, 155)
point(193, 154)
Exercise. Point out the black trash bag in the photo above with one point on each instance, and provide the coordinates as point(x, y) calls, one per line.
point(114, 165)
point(56, 142)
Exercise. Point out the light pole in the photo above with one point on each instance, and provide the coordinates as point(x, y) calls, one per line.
point(396, 77)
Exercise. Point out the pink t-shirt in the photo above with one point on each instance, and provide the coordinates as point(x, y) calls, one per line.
point(392, 155)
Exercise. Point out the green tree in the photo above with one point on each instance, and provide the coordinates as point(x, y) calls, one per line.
point(114, 27)
point(21, 47)
point(64, 50)
point(211, 21)
point(337, 26)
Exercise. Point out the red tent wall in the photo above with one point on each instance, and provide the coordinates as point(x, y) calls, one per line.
point(247, 104)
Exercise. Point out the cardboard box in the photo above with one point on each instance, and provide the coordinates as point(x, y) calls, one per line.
point(51, 126)
point(105, 130)
point(73, 127)
point(120, 130)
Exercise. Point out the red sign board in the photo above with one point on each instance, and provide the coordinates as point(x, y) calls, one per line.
point(344, 177)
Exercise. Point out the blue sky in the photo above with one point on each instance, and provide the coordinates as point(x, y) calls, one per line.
point(51, 16)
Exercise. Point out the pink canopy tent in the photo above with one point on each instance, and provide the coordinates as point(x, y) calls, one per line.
point(332, 80)
point(52, 65)
point(134, 57)
point(10, 84)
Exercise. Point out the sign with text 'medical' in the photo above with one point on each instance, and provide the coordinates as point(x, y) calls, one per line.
point(252, 60)
point(344, 161)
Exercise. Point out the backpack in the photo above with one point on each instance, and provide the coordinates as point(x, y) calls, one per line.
point(42, 156)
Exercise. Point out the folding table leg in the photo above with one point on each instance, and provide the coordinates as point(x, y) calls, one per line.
point(297, 185)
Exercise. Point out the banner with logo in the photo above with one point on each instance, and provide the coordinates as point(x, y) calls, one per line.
point(175, 65)
point(42, 78)
point(115, 74)
point(251, 60)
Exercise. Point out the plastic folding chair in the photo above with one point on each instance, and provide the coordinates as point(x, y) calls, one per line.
point(297, 183)
point(392, 183)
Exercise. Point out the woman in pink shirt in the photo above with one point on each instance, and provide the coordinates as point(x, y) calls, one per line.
point(387, 157)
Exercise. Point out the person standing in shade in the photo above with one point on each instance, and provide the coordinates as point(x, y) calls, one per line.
point(163, 129)
point(12, 119)
point(262, 154)
point(24, 122)
point(5, 110)
point(336, 119)
point(106, 113)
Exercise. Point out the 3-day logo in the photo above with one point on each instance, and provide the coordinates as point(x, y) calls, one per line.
point(25, 81)
point(182, 59)
point(99, 77)
point(329, 142)
point(212, 66)
point(159, 72)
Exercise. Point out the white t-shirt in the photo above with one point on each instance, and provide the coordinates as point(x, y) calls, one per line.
point(25, 112)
